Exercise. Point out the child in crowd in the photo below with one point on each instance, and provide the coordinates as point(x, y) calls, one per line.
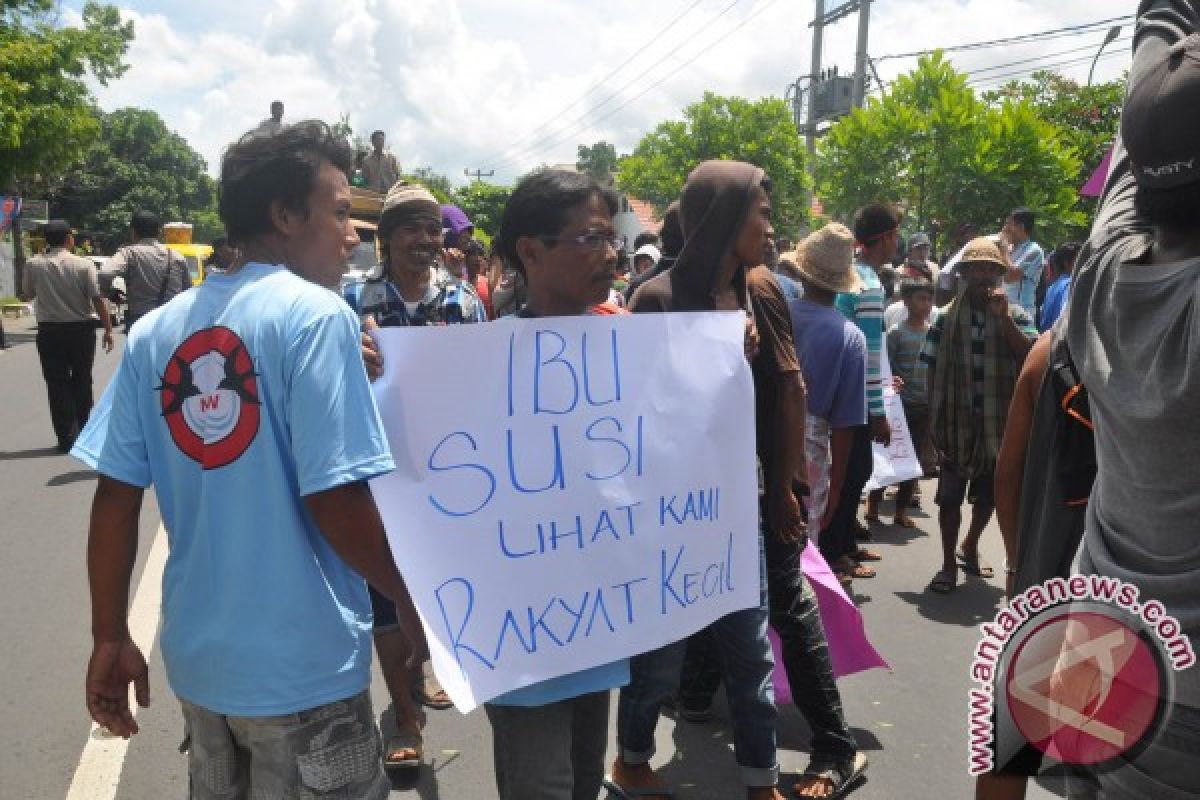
point(904, 341)
point(832, 353)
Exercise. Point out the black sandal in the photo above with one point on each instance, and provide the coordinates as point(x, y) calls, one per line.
point(842, 777)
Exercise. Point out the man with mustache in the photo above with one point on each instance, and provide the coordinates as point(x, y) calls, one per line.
point(412, 290)
point(974, 351)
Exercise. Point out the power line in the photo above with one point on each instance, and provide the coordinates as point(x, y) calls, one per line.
point(673, 72)
point(1091, 48)
point(1071, 62)
point(1056, 33)
point(538, 142)
point(977, 76)
point(632, 56)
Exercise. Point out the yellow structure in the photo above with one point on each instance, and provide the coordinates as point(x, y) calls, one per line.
point(178, 237)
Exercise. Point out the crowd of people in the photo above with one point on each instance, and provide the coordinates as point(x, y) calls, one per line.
point(271, 503)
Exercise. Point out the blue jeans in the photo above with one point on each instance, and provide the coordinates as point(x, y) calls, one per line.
point(746, 664)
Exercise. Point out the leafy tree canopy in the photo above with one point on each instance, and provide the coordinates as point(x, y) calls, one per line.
point(437, 183)
point(946, 156)
point(1087, 116)
point(761, 132)
point(136, 162)
point(46, 121)
point(483, 203)
point(599, 161)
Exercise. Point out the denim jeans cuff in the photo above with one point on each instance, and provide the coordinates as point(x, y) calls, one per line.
point(635, 759)
point(756, 777)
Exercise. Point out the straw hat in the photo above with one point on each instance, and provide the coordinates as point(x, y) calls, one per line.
point(826, 259)
point(982, 250)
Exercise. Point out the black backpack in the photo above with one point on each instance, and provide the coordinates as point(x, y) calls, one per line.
point(1060, 468)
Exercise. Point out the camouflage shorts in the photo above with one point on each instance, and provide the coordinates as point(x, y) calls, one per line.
point(332, 751)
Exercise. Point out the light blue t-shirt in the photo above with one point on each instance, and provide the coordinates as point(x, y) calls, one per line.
point(1029, 257)
point(235, 400)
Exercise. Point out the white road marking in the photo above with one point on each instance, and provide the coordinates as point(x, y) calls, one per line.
point(99, 772)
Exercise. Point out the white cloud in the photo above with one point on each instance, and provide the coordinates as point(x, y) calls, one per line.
point(457, 83)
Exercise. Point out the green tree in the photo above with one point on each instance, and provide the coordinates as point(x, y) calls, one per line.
point(45, 105)
point(944, 155)
point(761, 132)
point(136, 162)
point(435, 182)
point(45, 119)
point(1088, 117)
point(483, 203)
point(599, 161)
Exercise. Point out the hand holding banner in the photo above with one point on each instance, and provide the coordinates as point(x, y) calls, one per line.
point(571, 492)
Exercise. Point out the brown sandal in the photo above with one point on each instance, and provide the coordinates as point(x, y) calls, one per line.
point(404, 751)
point(848, 566)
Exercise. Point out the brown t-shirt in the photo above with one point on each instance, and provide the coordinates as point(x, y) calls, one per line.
point(776, 348)
point(776, 357)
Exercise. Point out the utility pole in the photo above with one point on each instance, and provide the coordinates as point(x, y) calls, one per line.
point(860, 55)
point(814, 76)
point(479, 175)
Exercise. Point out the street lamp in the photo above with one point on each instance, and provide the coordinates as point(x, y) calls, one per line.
point(1113, 33)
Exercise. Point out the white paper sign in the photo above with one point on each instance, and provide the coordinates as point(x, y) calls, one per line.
point(898, 461)
point(568, 491)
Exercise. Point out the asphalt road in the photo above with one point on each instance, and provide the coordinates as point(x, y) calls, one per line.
point(911, 721)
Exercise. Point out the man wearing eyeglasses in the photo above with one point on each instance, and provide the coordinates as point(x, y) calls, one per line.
point(549, 738)
point(412, 289)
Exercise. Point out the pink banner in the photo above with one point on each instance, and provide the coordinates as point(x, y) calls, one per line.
point(849, 648)
point(1095, 185)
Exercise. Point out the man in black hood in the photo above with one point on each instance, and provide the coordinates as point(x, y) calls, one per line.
point(725, 216)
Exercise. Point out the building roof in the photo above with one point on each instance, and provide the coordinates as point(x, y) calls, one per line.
point(645, 213)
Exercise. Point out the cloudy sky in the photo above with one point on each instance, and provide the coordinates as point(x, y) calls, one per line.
point(511, 84)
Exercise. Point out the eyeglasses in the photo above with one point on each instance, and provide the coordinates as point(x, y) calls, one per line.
point(591, 241)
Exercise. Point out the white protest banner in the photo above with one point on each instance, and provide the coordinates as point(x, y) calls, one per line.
point(568, 491)
point(897, 462)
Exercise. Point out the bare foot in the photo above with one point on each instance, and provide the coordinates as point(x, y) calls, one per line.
point(638, 776)
point(813, 787)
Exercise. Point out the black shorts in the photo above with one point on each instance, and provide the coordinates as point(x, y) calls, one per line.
point(384, 611)
point(954, 487)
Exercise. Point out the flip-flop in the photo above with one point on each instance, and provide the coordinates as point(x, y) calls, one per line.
point(848, 566)
point(944, 582)
point(403, 743)
point(842, 777)
point(427, 688)
point(863, 554)
point(903, 522)
point(618, 792)
point(975, 566)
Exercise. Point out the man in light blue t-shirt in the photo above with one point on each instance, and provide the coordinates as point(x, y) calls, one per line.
point(1028, 261)
point(245, 404)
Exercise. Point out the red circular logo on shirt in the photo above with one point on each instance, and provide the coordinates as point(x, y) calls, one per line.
point(1085, 688)
point(209, 397)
